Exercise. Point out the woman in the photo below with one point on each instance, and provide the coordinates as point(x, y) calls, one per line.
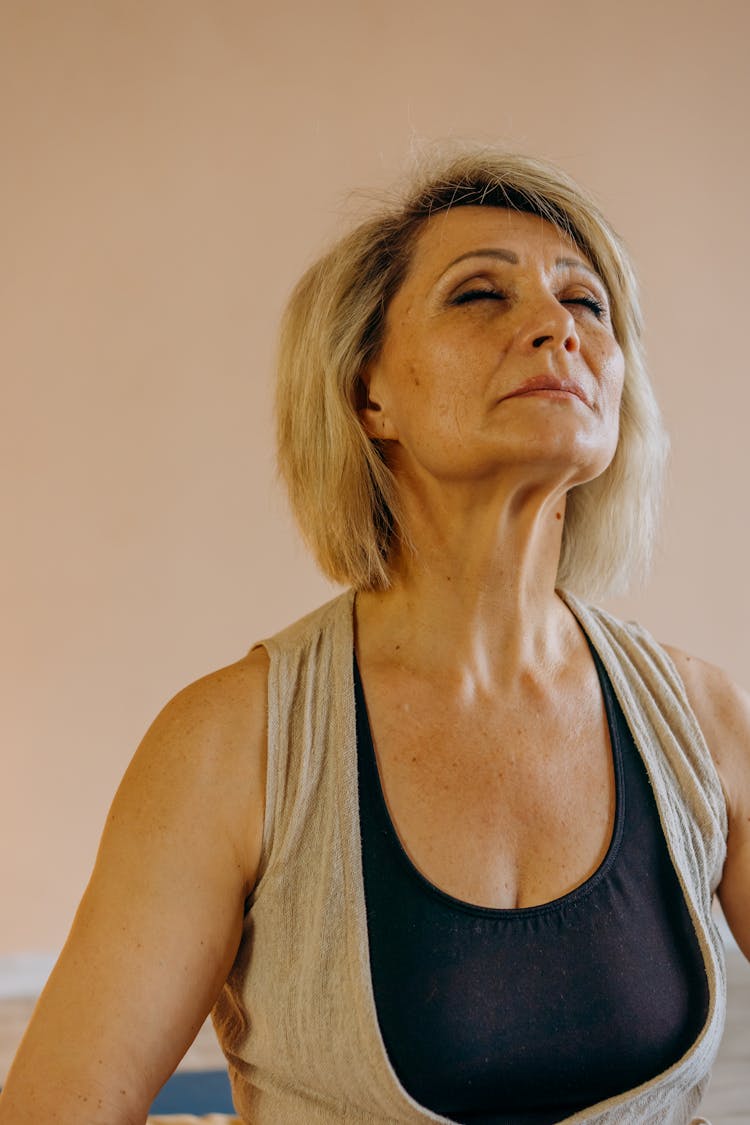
point(445, 849)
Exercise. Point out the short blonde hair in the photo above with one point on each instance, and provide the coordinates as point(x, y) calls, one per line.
point(342, 493)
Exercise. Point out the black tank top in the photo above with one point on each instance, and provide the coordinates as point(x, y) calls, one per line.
point(522, 1017)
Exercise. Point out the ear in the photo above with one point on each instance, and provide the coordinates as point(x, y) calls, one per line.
point(372, 405)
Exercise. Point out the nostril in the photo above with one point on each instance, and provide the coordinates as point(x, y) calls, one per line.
point(537, 343)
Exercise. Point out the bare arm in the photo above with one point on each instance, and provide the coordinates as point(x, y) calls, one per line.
point(723, 711)
point(159, 925)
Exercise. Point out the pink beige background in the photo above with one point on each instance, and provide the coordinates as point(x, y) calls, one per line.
point(169, 168)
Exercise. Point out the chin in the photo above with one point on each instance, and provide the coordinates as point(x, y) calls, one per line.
point(577, 451)
point(587, 453)
point(593, 466)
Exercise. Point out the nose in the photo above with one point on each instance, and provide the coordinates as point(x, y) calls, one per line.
point(569, 343)
point(550, 324)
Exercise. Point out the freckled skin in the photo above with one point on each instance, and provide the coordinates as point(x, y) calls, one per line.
point(438, 390)
point(485, 707)
point(483, 463)
point(496, 733)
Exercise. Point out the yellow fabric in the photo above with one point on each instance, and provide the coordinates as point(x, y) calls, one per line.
point(297, 1018)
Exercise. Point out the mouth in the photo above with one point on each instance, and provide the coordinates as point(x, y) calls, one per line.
point(551, 386)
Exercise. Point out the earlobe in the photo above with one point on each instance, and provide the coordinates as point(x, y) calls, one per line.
point(373, 416)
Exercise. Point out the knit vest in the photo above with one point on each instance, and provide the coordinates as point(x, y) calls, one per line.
point(296, 1017)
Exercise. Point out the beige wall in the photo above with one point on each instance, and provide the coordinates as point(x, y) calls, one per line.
point(168, 169)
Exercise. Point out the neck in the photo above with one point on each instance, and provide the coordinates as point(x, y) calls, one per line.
point(474, 594)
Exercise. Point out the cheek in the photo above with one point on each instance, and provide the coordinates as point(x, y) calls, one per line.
point(609, 365)
point(612, 382)
point(430, 375)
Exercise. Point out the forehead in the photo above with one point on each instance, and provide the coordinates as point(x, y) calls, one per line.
point(462, 230)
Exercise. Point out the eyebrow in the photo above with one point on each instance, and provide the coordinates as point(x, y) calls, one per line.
point(512, 257)
point(503, 255)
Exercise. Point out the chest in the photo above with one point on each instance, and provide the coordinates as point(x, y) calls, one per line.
point(502, 802)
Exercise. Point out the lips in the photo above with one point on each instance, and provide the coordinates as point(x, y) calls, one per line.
point(550, 383)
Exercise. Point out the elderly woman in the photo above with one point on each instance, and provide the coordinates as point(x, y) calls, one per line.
point(444, 850)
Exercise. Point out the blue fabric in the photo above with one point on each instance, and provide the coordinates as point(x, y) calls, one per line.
point(204, 1091)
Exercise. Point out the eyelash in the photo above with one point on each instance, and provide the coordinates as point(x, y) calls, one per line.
point(596, 307)
point(591, 303)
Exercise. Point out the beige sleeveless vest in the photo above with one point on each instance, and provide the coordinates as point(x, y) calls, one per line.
point(296, 1018)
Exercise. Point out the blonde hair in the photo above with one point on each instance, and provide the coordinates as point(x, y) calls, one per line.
point(341, 491)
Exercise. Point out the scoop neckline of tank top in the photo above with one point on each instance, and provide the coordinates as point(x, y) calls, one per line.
point(570, 898)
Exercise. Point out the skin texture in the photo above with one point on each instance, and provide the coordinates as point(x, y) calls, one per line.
point(723, 711)
point(501, 727)
point(483, 472)
point(483, 479)
point(459, 341)
point(159, 925)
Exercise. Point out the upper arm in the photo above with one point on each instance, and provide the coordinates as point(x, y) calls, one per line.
point(723, 711)
point(161, 920)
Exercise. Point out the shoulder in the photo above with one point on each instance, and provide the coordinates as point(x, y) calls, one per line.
point(221, 701)
point(203, 760)
point(164, 905)
point(723, 712)
point(333, 619)
point(216, 715)
point(722, 709)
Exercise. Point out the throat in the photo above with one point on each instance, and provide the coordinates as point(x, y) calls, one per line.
point(467, 649)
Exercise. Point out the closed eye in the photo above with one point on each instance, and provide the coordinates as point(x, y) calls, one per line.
point(469, 295)
point(596, 307)
point(477, 295)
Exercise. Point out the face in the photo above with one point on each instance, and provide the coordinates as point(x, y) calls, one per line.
point(498, 352)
